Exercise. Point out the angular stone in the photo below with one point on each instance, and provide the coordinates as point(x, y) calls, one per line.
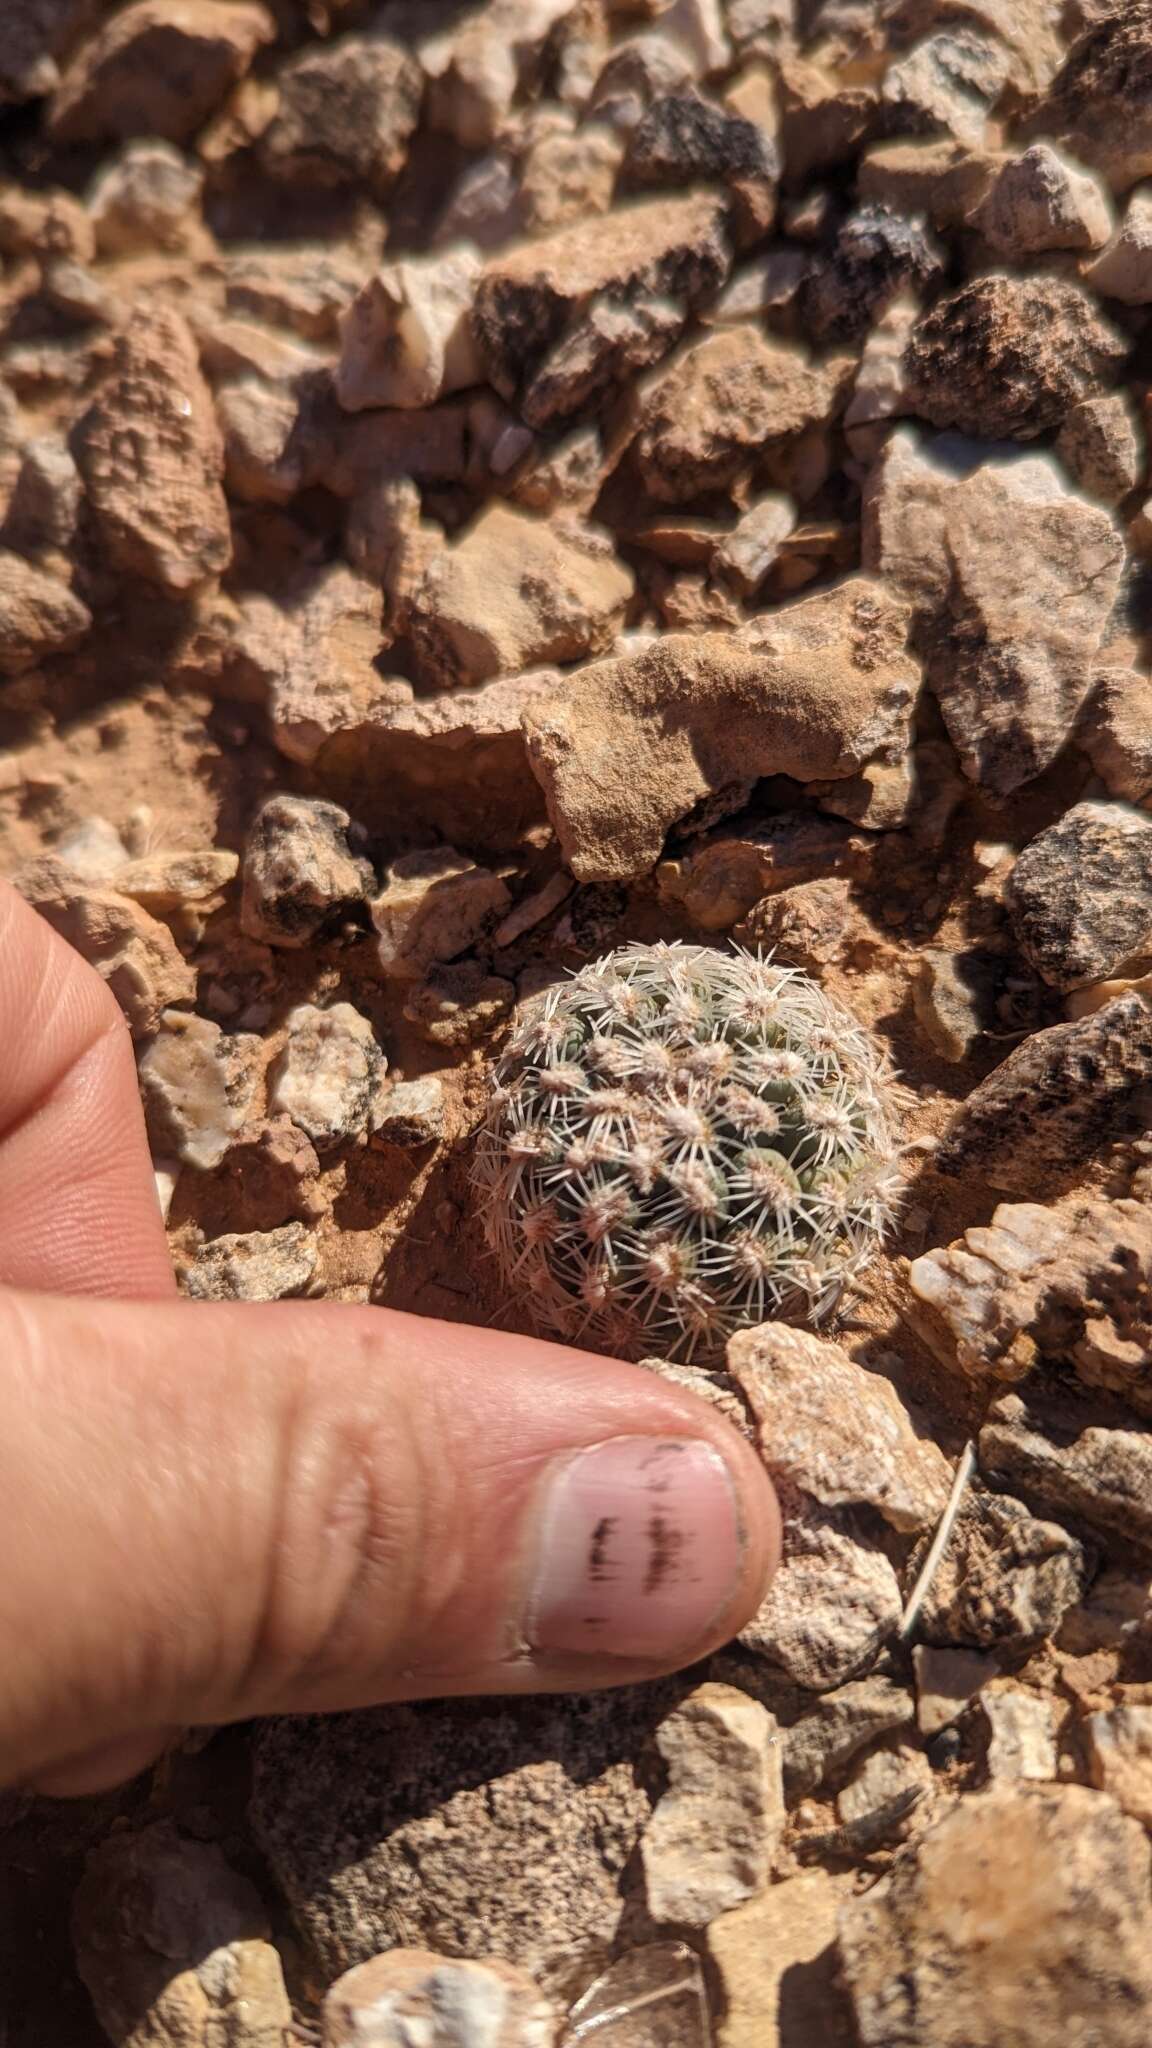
point(316, 659)
point(835, 1599)
point(1021, 1737)
point(272, 1169)
point(949, 81)
point(158, 67)
point(148, 198)
point(299, 870)
point(1051, 1106)
point(710, 415)
point(39, 616)
point(1041, 201)
point(1080, 894)
point(829, 1735)
point(454, 2003)
point(1018, 1919)
point(735, 872)
point(776, 1963)
point(345, 112)
point(166, 882)
point(823, 119)
point(630, 745)
point(412, 1113)
point(561, 320)
point(199, 1087)
point(746, 554)
point(434, 904)
point(1103, 1476)
point(406, 339)
point(328, 1075)
point(152, 456)
point(1008, 357)
point(1100, 101)
point(685, 139)
point(1006, 1579)
point(44, 509)
point(513, 592)
point(173, 1945)
point(1118, 732)
point(568, 173)
point(875, 256)
point(1123, 270)
point(253, 1265)
point(1119, 1745)
point(1101, 448)
point(709, 1843)
point(133, 952)
point(947, 1681)
point(653, 1997)
point(807, 925)
point(455, 1007)
point(836, 1432)
point(475, 62)
point(933, 175)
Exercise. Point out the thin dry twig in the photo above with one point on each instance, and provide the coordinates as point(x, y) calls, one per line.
point(960, 1484)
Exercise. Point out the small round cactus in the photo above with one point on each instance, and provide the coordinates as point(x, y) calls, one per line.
point(681, 1143)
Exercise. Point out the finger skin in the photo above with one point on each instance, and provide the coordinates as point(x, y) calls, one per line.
point(78, 1208)
point(214, 1511)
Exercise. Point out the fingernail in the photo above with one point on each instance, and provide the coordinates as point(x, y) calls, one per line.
point(641, 1549)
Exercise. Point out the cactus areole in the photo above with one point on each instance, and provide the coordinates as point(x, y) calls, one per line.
point(684, 1142)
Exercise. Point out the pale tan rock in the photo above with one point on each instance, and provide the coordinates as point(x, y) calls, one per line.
point(711, 413)
point(410, 1994)
point(247, 349)
point(456, 1007)
point(1020, 1918)
point(1098, 101)
point(152, 456)
point(835, 1599)
point(199, 1086)
point(823, 119)
point(1041, 201)
point(316, 659)
point(406, 339)
point(1101, 447)
point(47, 224)
point(835, 1431)
point(884, 1777)
point(93, 850)
point(299, 870)
point(1021, 1736)
point(474, 65)
point(776, 1962)
point(950, 80)
point(344, 113)
point(562, 319)
point(39, 615)
point(746, 554)
point(148, 197)
point(727, 882)
point(329, 1074)
point(807, 925)
point(1071, 1283)
point(173, 1946)
point(433, 905)
point(1118, 732)
point(168, 881)
point(934, 175)
point(410, 1114)
point(879, 392)
point(947, 1681)
point(709, 1843)
point(1119, 1745)
point(44, 509)
point(629, 746)
point(568, 174)
point(132, 951)
point(1123, 270)
point(1102, 1477)
point(158, 67)
point(513, 592)
point(251, 1265)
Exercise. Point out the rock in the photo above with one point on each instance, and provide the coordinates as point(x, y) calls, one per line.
point(1010, 659)
point(158, 67)
point(685, 139)
point(49, 225)
point(950, 997)
point(1008, 357)
point(151, 453)
point(1102, 1477)
point(775, 1960)
point(475, 65)
point(1099, 102)
point(299, 871)
point(434, 904)
point(1006, 1580)
point(532, 910)
point(1019, 1918)
point(93, 850)
point(823, 119)
point(841, 1723)
point(481, 1828)
point(147, 198)
point(1080, 894)
point(1041, 201)
point(1021, 1737)
point(709, 1843)
point(167, 882)
point(1118, 732)
point(39, 616)
point(302, 286)
point(317, 660)
point(44, 509)
point(641, 69)
point(708, 417)
point(454, 1007)
point(1055, 1101)
point(328, 1075)
point(835, 1599)
point(1123, 270)
point(947, 1681)
point(806, 926)
point(815, 689)
point(652, 1995)
point(134, 953)
point(199, 1087)
point(345, 113)
point(1119, 1745)
point(933, 175)
point(567, 174)
point(513, 592)
point(745, 555)
point(950, 82)
point(173, 1945)
point(836, 1432)
point(560, 321)
point(727, 882)
point(1100, 447)
point(410, 1992)
point(406, 339)
point(875, 256)
point(411, 1114)
point(253, 1265)
point(273, 1169)
point(888, 1779)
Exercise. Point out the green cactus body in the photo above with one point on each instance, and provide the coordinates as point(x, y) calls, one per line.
point(682, 1143)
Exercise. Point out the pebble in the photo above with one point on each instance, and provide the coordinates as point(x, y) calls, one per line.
point(875, 256)
point(39, 615)
point(807, 925)
point(775, 1960)
point(455, 1007)
point(840, 1724)
point(1118, 1741)
point(199, 1086)
point(684, 139)
point(1102, 448)
point(406, 339)
point(251, 1265)
point(947, 1681)
point(1008, 357)
point(1041, 201)
point(1098, 104)
point(1103, 1476)
point(328, 1076)
point(147, 198)
point(1007, 1579)
point(1118, 732)
point(835, 1599)
point(710, 1840)
point(411, 1113)
point(133, 952)
point(885, 1780)
point(344, 114)
point(1123, 270)
point(1021, 1737)
point(410, 1995)
point(432, 906)
point(1080, 894)
point(156, 69)
point(299, 871)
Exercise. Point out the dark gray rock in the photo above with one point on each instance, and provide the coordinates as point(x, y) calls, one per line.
point(1099, 1473)
point(875, 255)
point(840, 1725)
point(1080, 895)
point(1008, 357)
point(685, 139)
point(1006, 1580)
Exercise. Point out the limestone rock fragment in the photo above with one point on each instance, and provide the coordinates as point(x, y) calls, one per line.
point(299, 870)
point(1021, 1736)
point(1008, 357)
point(1103, 1476)
point(709, 416)
point(1101, 447)
point(1099, 104)
point(251, 1265)
point(1080, 894)
point(877, 255)
point(411, 1113)
point(947, 82)
point(1040, 201)
point(1118, 732)
point(39, 615)
point(1123, 269)
point(947, 1681)
point(835, 1599)
point(158, 67)
point(447, 1999)
point(1119, 1743)
point(132, 951)
point(1006, 1580)
point(455, 1007)
point(199, 1086)
point(434, 904)
point(148, 198)
point(345, 111)
point(806, 925)
point(775, 1959)
point(329, 1074)
point(406, 339)
point(684, 139)
point(709, 1843)
point(839, 1724)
